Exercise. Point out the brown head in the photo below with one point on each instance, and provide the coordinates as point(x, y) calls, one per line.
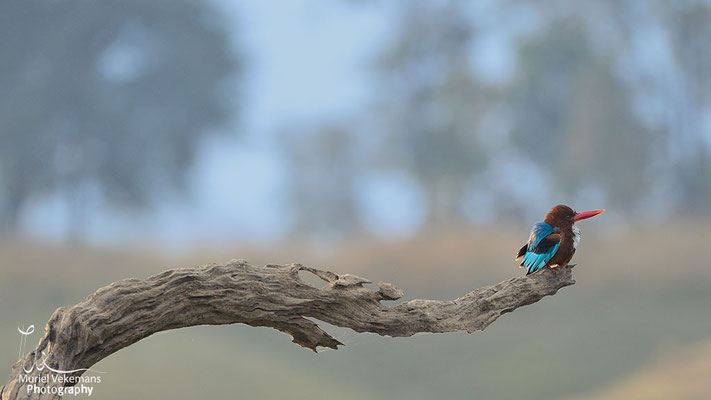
point(562, 216)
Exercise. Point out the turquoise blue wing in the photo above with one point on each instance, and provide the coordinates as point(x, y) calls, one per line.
point(542, 246)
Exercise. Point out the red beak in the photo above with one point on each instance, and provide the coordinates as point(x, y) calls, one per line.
point(587, 214)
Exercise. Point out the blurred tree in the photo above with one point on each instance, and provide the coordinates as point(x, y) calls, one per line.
point(106, 96)
point(573, 117)
point(691, 36)
point(571, 113)
point(429, 103)
point(684, 87)
point(657, 50)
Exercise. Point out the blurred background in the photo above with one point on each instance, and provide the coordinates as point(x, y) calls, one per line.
point(413, 142)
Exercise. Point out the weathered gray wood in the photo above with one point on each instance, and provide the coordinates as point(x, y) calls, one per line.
point(129, 310)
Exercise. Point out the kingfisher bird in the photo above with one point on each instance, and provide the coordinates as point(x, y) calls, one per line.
point(553, 242)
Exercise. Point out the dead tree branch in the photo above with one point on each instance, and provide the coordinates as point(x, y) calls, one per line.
point(129, 310)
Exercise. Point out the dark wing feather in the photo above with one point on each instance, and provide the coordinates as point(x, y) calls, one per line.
point(546, 243)
point(521, 252)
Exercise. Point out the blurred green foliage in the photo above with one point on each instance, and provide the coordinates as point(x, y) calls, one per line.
point(107, 97)
point(602, 102)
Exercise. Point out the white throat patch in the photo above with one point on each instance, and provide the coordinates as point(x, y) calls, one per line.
point(576, 236)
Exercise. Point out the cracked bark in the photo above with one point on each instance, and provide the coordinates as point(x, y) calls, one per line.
point(129, 310)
